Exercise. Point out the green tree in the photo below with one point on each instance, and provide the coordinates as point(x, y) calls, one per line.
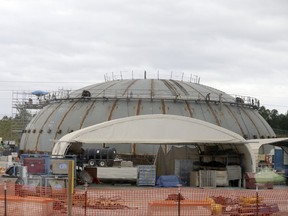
point(5, 130)
point(265, 113)
point(279, 122)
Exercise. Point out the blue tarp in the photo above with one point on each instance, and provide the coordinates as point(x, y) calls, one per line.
point(168, 181)
point(39, 93)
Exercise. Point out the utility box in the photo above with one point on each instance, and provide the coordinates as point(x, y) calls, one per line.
point(60, 166)
point(35, 165)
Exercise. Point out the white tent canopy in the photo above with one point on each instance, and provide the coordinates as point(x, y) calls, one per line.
point(257, 143)
point(157, 129)
point(276, 141)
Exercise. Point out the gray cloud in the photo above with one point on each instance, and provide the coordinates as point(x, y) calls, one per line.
point(235, 46)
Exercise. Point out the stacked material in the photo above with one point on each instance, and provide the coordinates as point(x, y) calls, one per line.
point(107, 203)
point(26, 206)
point(146, 175)
point(117, 174)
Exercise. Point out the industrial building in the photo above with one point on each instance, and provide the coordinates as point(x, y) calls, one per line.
point(139, 117)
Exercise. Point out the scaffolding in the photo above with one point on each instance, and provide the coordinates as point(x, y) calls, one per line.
point(26, 104)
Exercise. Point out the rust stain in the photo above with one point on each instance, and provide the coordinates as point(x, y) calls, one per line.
point(38, 137)
point(126, 90)
point(251, 121)
point(66, 113)
point(213, 113)
point(180, 87)
point(171, 87)
point(189, 109)
point(112, 109)
point(232, 114)
point(86, 114)
point(163, 106)
point(138, 107)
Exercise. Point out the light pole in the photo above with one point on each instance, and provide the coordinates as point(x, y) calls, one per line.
point(5, 201)
point(257, 200)
point(179, 198)
point(86, 187)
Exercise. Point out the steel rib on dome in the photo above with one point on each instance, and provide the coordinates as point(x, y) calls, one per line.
point(122, 98)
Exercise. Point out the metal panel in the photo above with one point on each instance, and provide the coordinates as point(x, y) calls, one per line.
point(60, 166)
point(122, 98)
point(35, 165)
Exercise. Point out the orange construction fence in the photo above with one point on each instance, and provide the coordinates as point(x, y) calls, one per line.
point(142, 201)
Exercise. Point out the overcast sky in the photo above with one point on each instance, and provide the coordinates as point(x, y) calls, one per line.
point(237, 46)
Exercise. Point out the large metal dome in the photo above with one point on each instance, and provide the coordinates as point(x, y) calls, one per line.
point(121, 98)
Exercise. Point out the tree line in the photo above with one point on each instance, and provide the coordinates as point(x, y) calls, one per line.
point(9, 125)
point(278, 121)
point(5, 129)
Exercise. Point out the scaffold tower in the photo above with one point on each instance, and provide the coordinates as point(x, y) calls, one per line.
point(24, 106)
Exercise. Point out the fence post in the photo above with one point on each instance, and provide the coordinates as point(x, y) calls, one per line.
point(257, 206)
point(5, 201)
point(179, 199)
point(70, 186)
point(85, 186)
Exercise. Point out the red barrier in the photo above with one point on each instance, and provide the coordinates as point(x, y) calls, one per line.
point(143, 201)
